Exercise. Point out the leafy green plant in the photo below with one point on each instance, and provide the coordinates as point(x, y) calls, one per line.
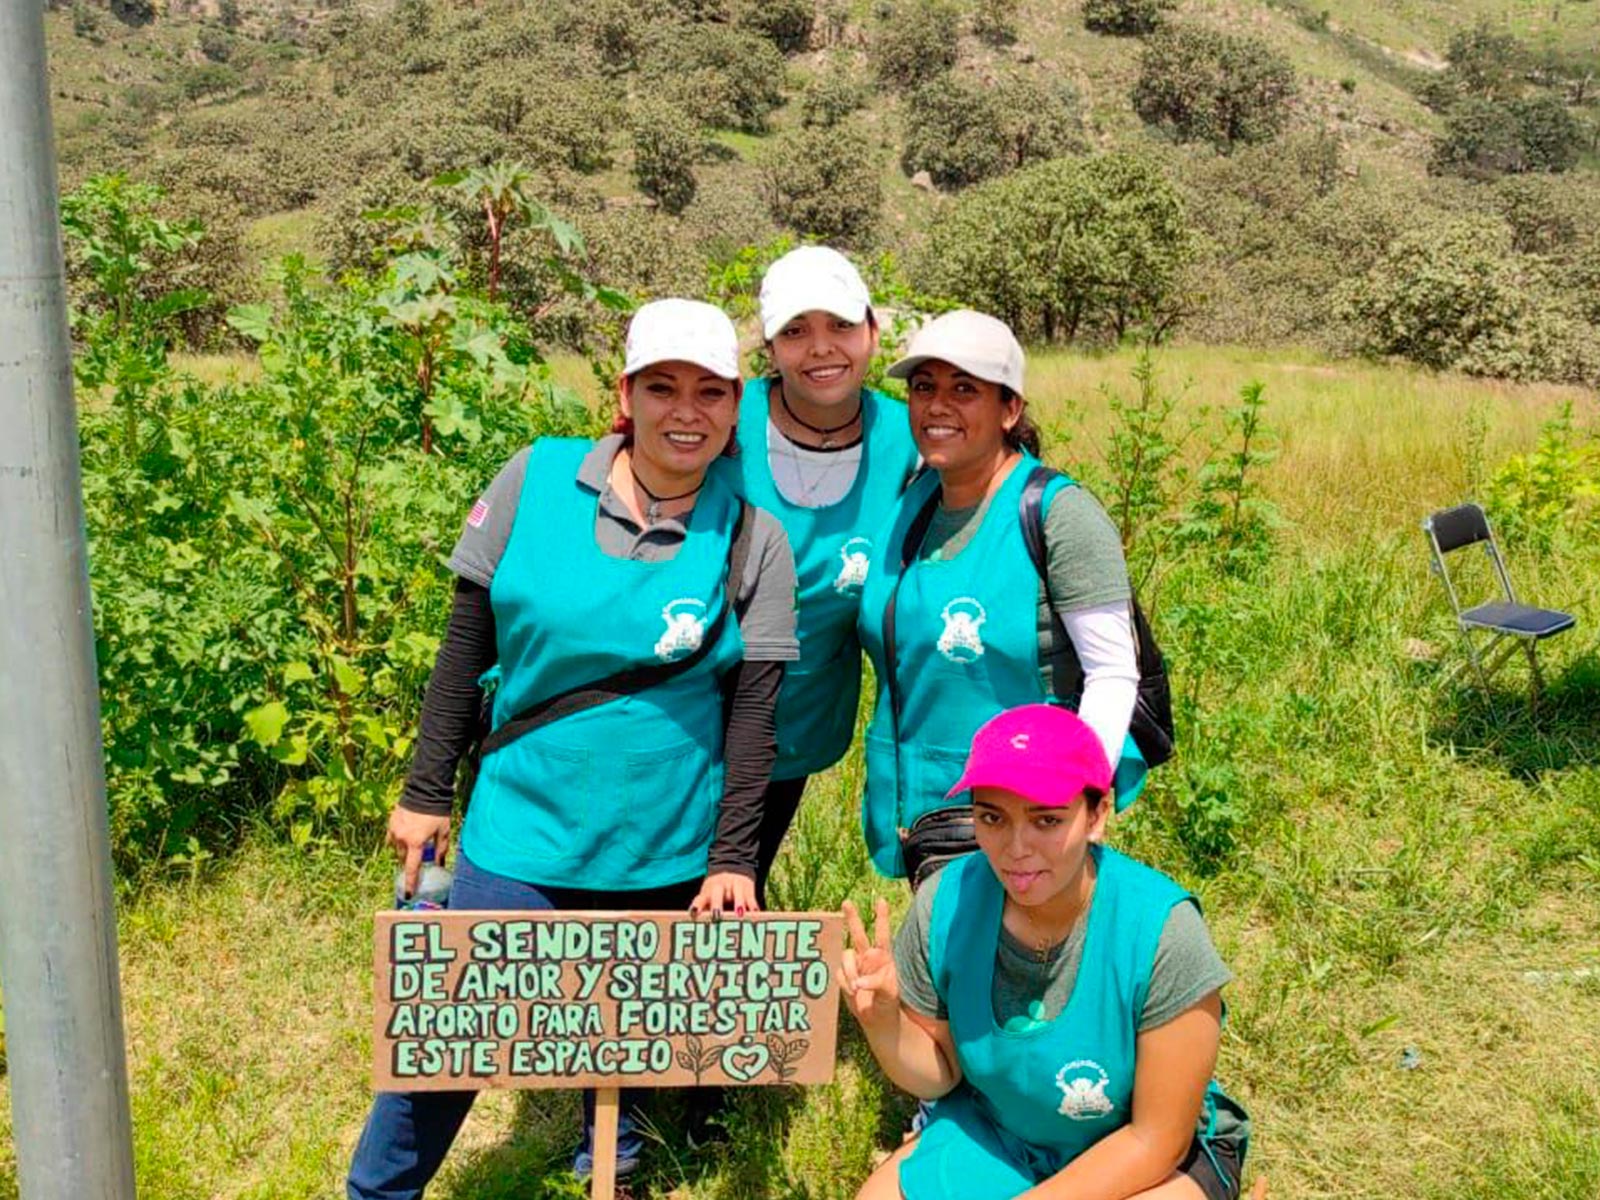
point(1553, 491)
point(116, 241)
point(1230, 521)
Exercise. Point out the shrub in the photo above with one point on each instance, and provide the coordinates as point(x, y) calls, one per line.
point(1125, 18)
point(724, 77)
point(962, 131)
point(1455, 295)
point(949, 129)
point(569, 119)
point(913, 41)
point(995, 21)
point(85, 21)
point(1064, 248)
point(784, 23)
point(1484, 63)
point(1485, 137)
point(133, 12)
point(831, 96)
point(666, 145)
point(215, 43)
point(1214, 87)
point(824, 183)
point(1550, 136)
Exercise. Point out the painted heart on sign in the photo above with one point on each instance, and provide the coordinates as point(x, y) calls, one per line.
point(744, 1061)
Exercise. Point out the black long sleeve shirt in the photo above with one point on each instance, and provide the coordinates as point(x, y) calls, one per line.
point(450, 717)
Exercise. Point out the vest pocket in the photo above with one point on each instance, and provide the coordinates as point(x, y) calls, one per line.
point(543, 801)
point(672, 795)
point(931, 771)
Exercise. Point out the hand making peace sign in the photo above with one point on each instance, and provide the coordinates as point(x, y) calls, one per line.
point(867, 973)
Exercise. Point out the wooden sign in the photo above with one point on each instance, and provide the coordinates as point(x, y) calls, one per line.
point(473, 1000)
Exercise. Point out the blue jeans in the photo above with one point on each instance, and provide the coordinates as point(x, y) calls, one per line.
point(408, 1133)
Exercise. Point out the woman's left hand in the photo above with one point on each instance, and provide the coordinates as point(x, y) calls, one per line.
point(723, 891)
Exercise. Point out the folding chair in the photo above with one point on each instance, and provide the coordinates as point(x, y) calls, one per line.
point(1520, 626)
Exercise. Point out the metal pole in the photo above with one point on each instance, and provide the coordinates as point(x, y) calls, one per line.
point(58, 948)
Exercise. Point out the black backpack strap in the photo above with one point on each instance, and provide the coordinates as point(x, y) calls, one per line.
point(633, 680)
point(1151, 725)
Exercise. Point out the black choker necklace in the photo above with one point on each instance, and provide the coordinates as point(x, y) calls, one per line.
point(654, 507)
point(825, 434)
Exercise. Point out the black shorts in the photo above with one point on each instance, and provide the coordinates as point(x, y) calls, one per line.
point(1215, 1173)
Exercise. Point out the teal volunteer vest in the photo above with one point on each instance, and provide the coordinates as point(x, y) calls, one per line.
point(832, 547)
point(1032, 1101)
point(622, 796)
point(966, 648)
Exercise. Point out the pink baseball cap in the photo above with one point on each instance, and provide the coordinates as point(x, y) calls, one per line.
point(1040, 751)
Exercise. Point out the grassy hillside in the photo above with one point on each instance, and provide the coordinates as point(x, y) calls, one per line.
point(1404, 876)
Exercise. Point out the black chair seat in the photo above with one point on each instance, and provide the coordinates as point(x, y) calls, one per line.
point(1520, 620)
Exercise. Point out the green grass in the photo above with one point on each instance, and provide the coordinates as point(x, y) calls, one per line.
point(1382, 856)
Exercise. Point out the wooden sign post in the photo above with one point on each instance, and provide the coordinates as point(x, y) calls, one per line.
point(475, 1000)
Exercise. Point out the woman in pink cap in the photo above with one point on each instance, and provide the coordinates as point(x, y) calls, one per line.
point(1058, 1001)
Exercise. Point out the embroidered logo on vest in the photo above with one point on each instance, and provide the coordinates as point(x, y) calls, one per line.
point(686, 627)
point(1083, 1090)
point(853, 563)
point(961, 642)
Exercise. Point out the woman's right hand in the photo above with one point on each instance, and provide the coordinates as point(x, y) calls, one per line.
point(409, 832)
point(868, 973)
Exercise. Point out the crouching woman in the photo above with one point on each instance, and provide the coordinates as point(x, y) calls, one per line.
point(1058, 1000)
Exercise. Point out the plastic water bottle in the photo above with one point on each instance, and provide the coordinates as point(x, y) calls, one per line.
point(433, 885)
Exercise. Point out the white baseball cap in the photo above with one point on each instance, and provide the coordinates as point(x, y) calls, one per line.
point(682, 331)
point(808, 278)
point(981, 345)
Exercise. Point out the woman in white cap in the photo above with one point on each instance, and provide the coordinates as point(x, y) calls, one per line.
point(624, 579)
point(828, 457)
point(960, 619)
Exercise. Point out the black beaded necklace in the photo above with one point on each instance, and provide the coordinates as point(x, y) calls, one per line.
point(654, 508)
point(825, 434)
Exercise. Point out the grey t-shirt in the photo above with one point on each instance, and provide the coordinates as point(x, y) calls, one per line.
point(766, 592)
point(1030, 988)
point(1083, 552)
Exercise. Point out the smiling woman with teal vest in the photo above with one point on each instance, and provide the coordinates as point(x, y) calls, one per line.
point(637, 615)
point(828, 458)
point(1058, 1001)
point(955, 614)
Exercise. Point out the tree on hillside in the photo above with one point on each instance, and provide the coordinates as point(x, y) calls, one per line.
point(995, 21)
point(962, 130)
point(1125, 18)
point(666, 145)
point(1483, 138)
point(831, 96)
point(724, 77)
point(824, 183)
point(1065, 248)
point(1456, 296)
point(914, 41)
point(1222, 88)
point(1483, 64)
point(784, 23)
